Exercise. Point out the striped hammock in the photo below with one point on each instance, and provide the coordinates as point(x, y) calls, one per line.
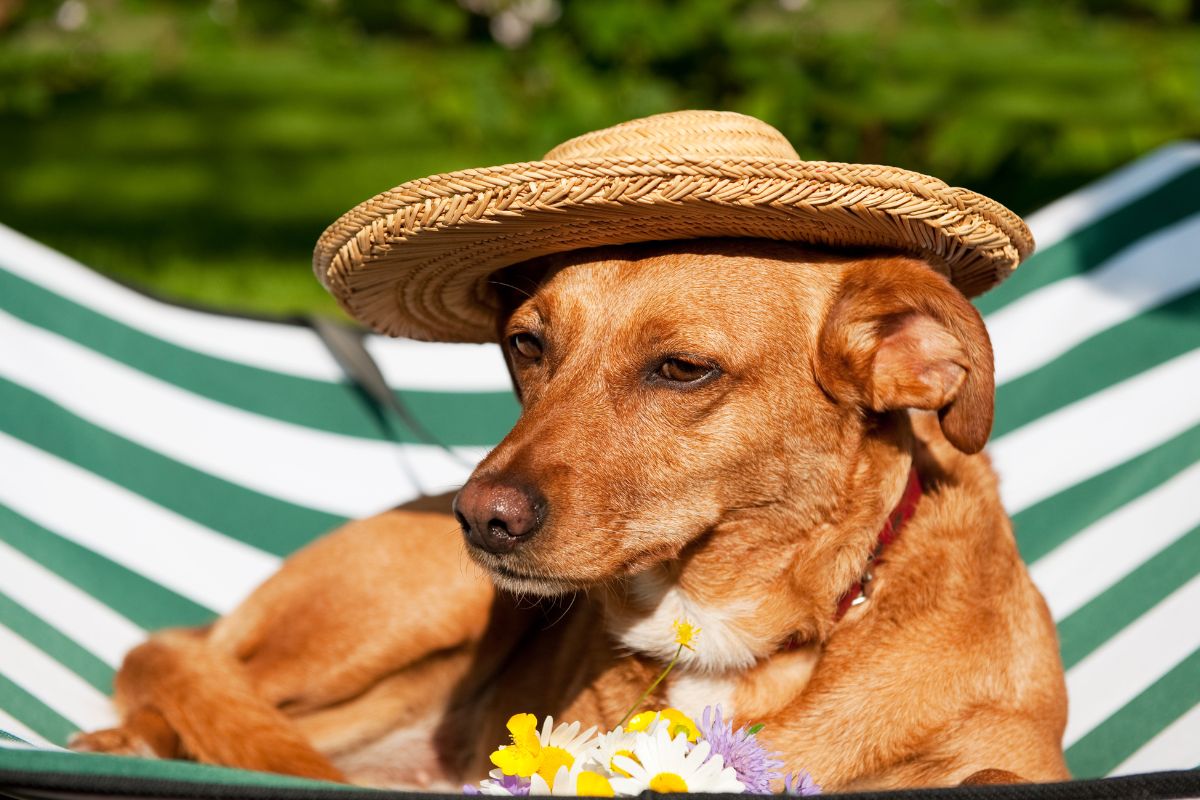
point(157, 462)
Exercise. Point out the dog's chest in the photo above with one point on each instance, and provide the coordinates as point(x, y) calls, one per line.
point(646, 626)
point(692, 693)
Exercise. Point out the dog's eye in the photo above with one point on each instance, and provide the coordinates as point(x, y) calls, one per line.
point(681, 370)
point(525, 345)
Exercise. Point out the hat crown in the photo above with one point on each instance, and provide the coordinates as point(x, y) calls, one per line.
point(690, 134)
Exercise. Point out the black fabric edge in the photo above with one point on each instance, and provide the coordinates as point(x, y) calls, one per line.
point(62, 786)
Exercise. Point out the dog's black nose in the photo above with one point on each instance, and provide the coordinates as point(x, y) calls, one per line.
point(497, 516)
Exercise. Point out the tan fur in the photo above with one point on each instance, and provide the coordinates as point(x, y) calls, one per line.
point(752, 501)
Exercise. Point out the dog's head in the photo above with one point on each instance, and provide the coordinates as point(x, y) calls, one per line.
point(676, 391)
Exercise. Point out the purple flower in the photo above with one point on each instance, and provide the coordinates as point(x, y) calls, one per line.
point(499, 784)
point(755, 767)
point(800, 784)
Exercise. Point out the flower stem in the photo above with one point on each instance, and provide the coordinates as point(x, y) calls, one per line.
point(650, 689)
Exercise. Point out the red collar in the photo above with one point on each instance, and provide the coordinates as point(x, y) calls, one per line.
point(891, 530)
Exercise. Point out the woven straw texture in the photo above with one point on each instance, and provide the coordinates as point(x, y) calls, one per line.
point(414, 261)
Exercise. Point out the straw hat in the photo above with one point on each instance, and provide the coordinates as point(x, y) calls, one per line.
point(415, 260)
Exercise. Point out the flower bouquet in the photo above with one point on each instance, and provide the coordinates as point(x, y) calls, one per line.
point(657, 751)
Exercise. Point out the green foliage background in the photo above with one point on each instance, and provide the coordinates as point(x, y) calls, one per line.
point(200, 148)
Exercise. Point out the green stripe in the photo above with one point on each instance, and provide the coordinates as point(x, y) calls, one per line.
point(1117, 354)
point(265, 522)
point(36, 715)
point(1092, 245)
point(467, 418)
point(91, 764)
point(53, 643)
point(1122, 734)
point(1044, 526)
point(462, 418)
point(1130, 598)
point(139, 599)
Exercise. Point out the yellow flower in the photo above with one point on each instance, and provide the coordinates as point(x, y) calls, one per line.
point(642, 721)
point(676, 722)
point(685, 632)
point(523, 756)
point(593, 784)
point(545, 753)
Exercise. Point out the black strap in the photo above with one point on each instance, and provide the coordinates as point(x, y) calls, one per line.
point(25, 785)
point(347, 345)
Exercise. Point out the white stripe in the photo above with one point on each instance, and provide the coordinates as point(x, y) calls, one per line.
point(1038, 328)
point(196, 562)
point(1130, 662)
point(1106, 551)
point(53, 684)
point(1096, 433)
point(11, 725)
point(290, 349)
point(1175, 747)
point(1063, 217)
point(13, 744)
point(440, 367)
point(343, 475)
point(76, 614)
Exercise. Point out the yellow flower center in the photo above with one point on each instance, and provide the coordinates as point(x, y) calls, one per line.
point(668, 783)
point(550, 760)
point(613, 763)
point(593, 784)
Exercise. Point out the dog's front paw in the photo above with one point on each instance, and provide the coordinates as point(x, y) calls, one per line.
point(113, 741)
point(987, 777)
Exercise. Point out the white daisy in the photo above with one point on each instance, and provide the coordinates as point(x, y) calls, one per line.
point(567, 736)
point(581, 780)
point(614, 743)
point(664, 764)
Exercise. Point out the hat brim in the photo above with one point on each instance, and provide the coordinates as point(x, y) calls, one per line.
point(415, 261)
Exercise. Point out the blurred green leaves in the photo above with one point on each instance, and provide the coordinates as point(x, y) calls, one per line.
point(202, 148)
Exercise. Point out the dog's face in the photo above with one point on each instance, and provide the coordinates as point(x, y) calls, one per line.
point(670, 391)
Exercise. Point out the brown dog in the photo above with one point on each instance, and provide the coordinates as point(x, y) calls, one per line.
point(717, 430)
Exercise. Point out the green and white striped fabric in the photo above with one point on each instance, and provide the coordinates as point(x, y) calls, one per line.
point(156, 463)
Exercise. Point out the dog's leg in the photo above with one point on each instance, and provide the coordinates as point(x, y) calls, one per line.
point(989, 747)
point(185, 698)
point(370, 600)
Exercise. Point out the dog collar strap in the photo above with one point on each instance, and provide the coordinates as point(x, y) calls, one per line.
point(892, 526)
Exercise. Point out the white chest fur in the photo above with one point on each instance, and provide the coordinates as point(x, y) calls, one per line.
point(691, 693)
point(722, 645)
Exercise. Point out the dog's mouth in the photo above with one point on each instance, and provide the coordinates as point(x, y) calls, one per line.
point(529, 582)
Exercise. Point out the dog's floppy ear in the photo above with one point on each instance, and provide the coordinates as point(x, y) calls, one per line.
point(898, 336)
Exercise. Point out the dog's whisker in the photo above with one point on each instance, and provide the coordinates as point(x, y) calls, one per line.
point(565, 611)
point(510, 286)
